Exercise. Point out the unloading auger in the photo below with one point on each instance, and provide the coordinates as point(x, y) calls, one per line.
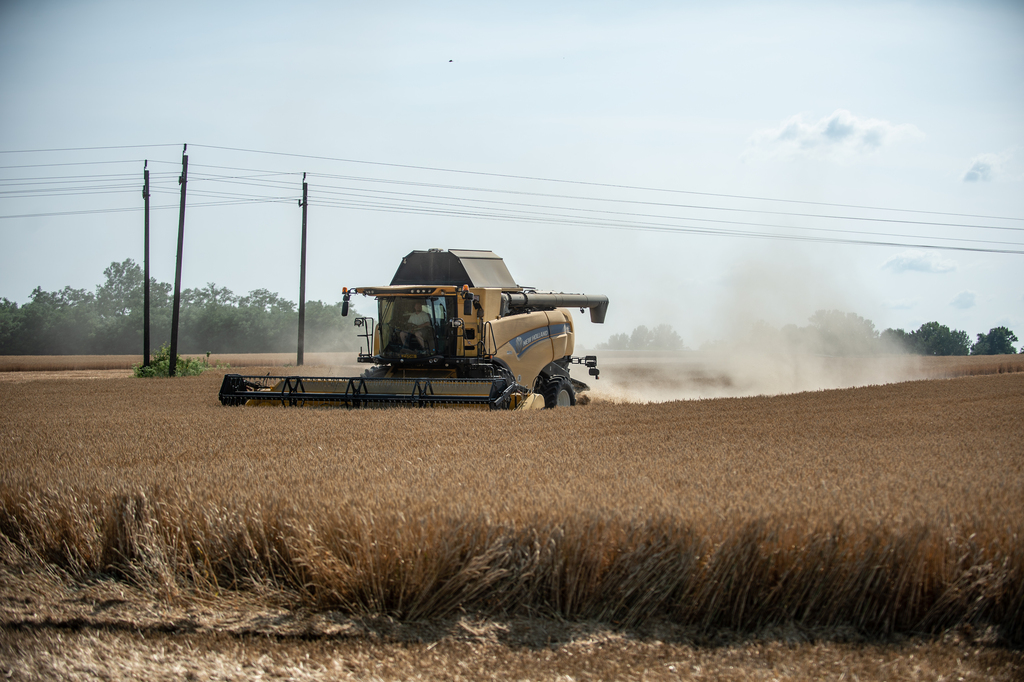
point(454, 329)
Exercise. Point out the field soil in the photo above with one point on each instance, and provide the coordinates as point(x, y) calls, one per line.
point(864, 533)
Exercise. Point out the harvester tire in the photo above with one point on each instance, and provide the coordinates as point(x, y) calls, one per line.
point(558, 392)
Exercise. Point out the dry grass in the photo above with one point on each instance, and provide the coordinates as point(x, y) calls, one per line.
point(60, 363)
point(710, 368)
point(945, 367)
point(468, 655)
point(883, 509)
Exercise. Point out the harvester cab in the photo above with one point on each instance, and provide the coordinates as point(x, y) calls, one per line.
point(453, 328)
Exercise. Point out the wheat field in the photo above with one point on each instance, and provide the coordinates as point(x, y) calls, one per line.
point(699, 367)
point(885, 509)
point(62, 363)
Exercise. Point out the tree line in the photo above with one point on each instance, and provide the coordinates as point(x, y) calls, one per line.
point(662, 337)
point(833, 332)
point(212, 319)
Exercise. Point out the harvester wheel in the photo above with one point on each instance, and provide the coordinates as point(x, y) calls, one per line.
point(558, 392)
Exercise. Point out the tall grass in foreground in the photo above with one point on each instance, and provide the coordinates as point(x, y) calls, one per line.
point(889, 508)
point(722, 573)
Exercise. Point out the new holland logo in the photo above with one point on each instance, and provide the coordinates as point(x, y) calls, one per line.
point(524, 341)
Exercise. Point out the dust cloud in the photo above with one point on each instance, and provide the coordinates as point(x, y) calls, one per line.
point(782, 312)
point(654, 376)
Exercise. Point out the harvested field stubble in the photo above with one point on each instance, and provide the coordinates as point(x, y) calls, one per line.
point(131, 655)
point(887, 509)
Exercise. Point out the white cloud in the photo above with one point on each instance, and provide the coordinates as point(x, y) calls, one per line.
point(919, 261)
point(984, 168)
point(838, 136)
point(964, 300)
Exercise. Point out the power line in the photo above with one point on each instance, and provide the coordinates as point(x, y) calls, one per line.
point(434, 203)
point(56, 178)
point(420, 198)
point(670, 229)
point(599, 184)
point(639, 202)
point(278, 185)
point(423, 199)
point(554, 180)
point(686, 206)
point(130, 209)
point(86, 149)
point(61, 193)
point(74, 163)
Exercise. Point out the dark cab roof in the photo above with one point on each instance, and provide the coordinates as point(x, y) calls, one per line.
point(454, 268)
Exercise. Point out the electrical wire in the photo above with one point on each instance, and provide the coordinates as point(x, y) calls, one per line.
point(637, 202)
point(253, 186)
point(676, 230)
point(137, 209)
point(75, 163)
point(87, 149)
point(700, 207)
point(596, 184)
point(518, 207)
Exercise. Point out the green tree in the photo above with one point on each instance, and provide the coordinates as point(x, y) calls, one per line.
point(840, 333)
point(616, 342)
point(211, 321)
point(119, 303)
point(327, 330)
point(933, 338)
point(662, 337)
point(998, 341)
point(75, 321)
point(640, 339)
point(122, 292)
point(209, 296)
point(56, 323)
point(10, 323)
point(896, 341)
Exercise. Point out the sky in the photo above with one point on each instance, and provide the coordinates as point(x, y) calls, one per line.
point(676, 157)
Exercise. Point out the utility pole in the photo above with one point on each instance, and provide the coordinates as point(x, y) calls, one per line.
point(183, 181)
point(145, 260)
point(302, 276)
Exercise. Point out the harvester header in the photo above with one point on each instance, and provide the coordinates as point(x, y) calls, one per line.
point(453, 327)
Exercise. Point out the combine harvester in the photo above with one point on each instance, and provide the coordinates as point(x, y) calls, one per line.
point(455, 329)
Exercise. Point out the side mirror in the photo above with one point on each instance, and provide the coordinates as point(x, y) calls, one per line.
point(344, 301)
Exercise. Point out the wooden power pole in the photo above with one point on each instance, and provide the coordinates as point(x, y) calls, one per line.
point(302, 276)
point(145, 273)
point(183, 181)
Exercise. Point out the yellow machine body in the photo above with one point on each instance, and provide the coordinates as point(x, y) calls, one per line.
point(453, 329)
